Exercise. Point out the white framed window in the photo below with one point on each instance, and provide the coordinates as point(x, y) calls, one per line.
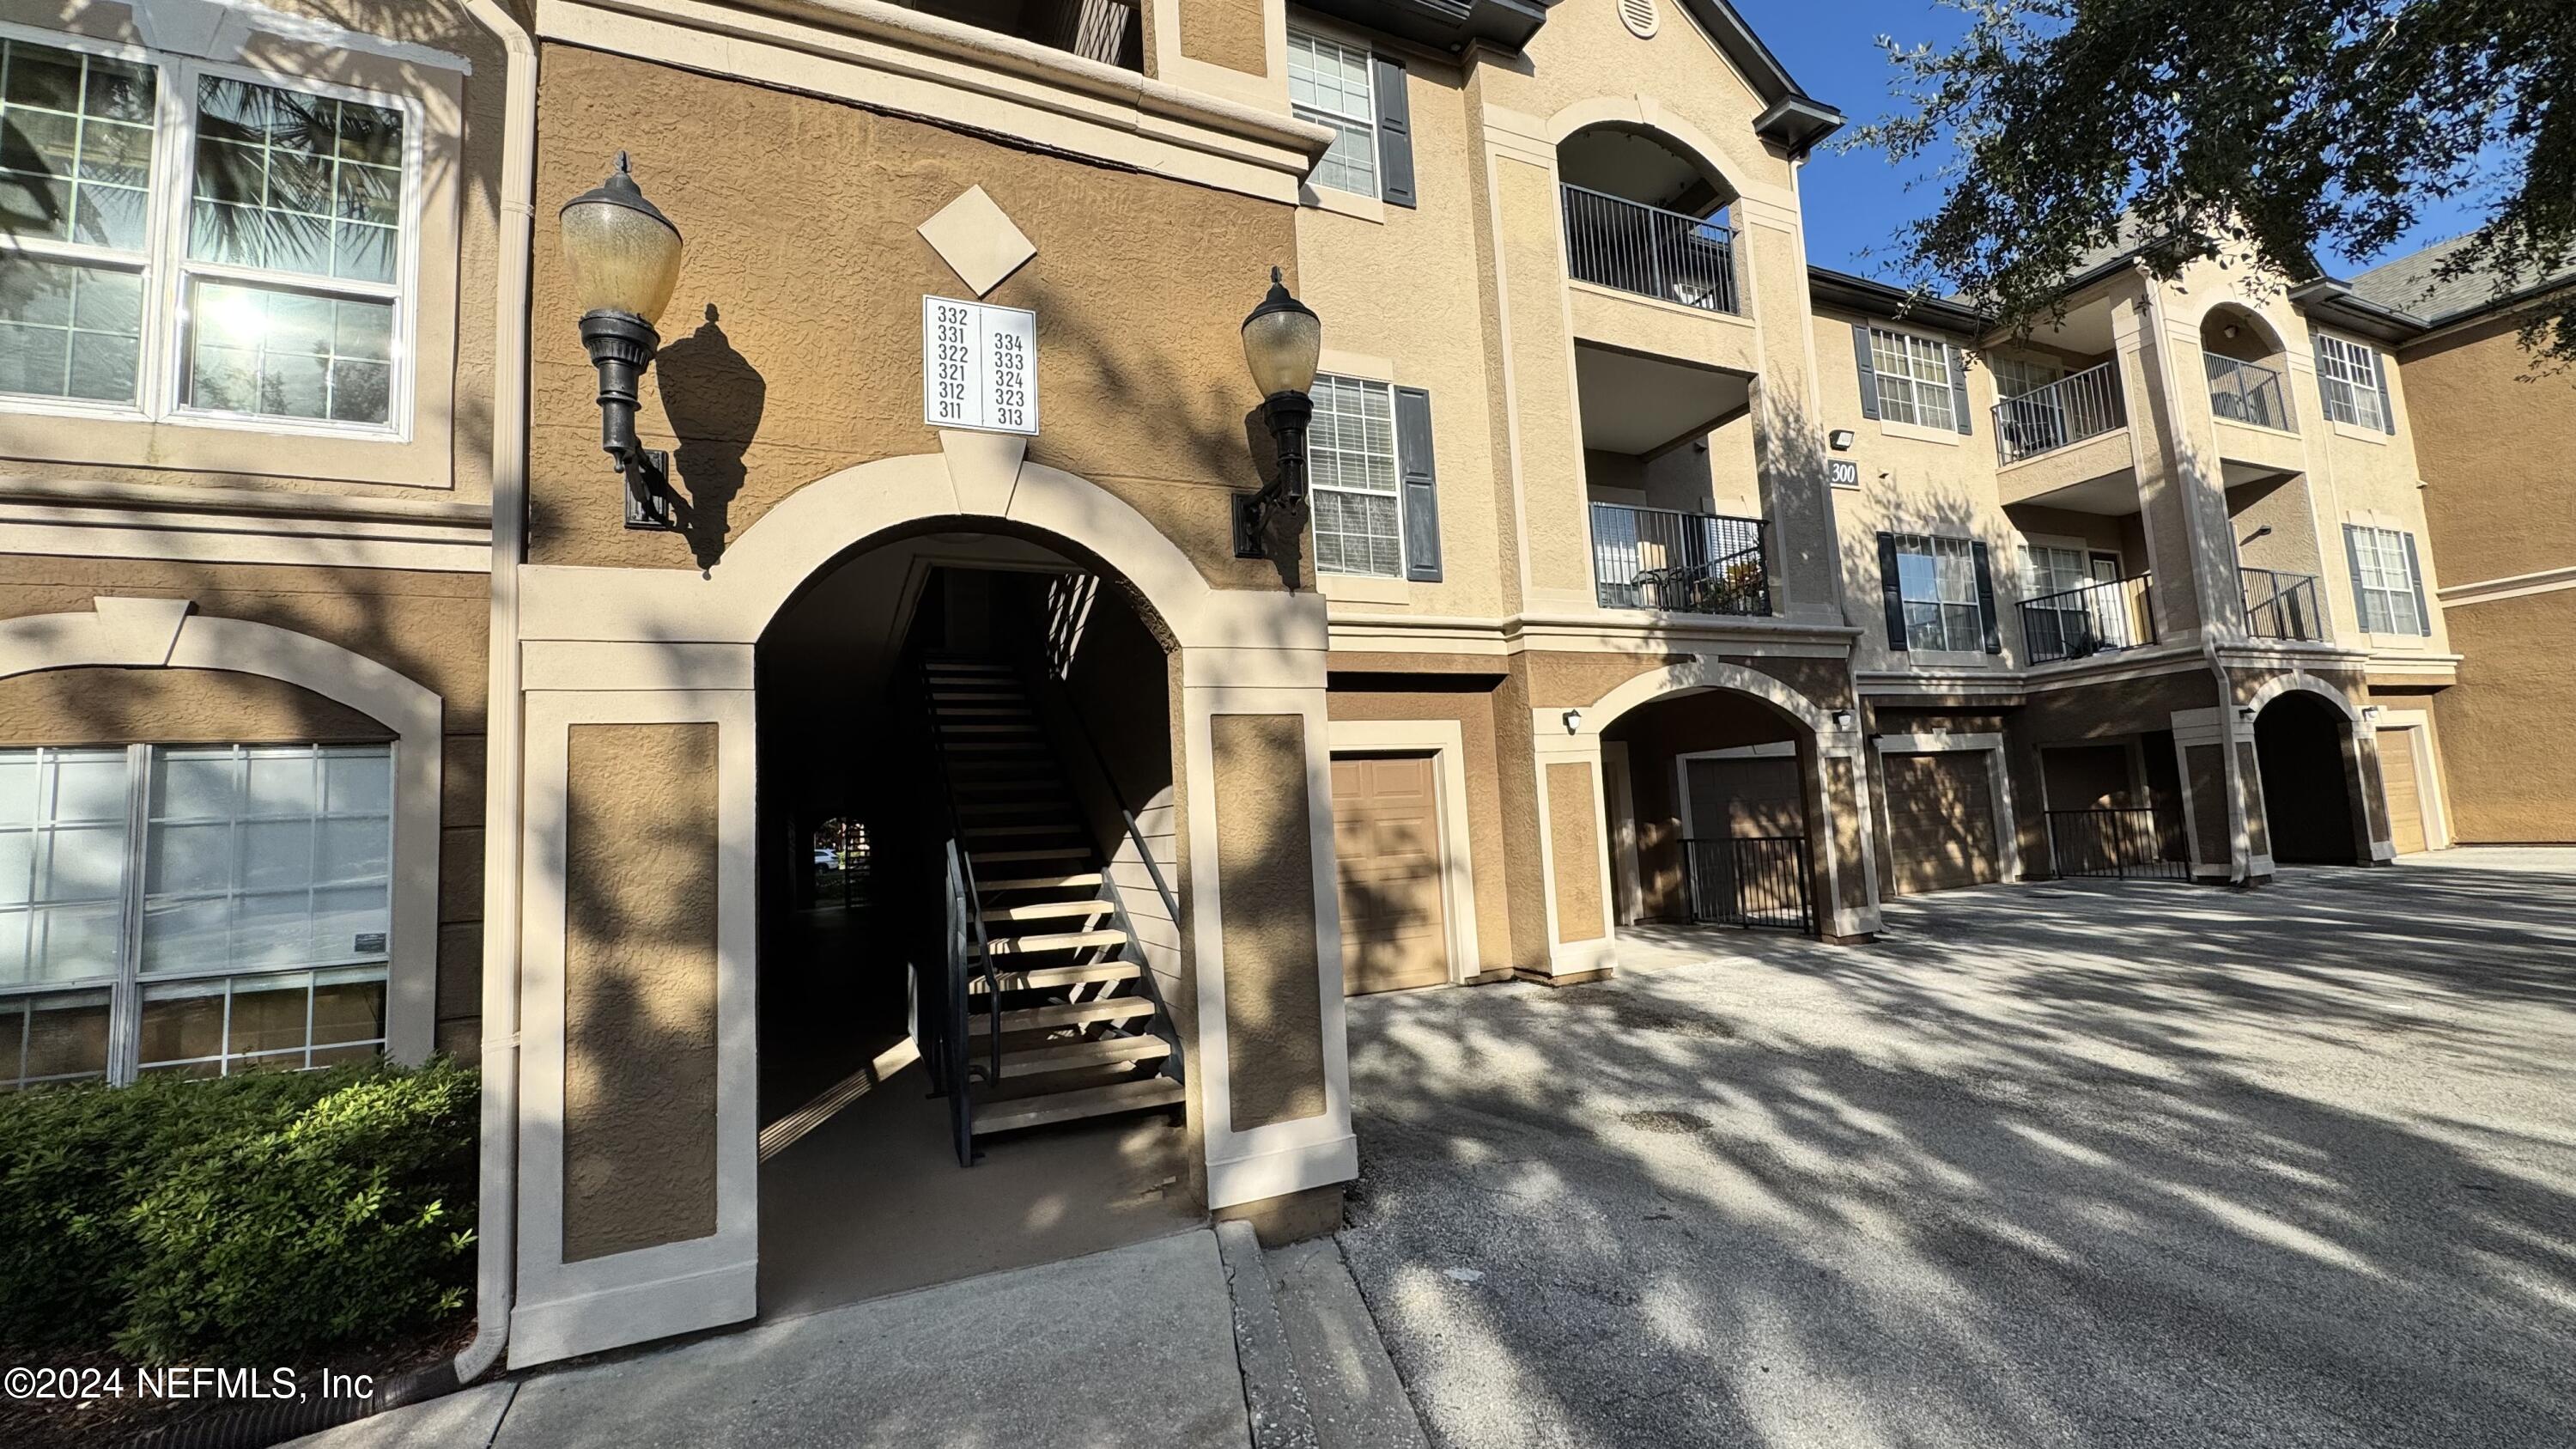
point(2384, 588)
point(1937, 580)
point(2348, 382)
point(1353, 479)
point(1913, 379)
point(1330, 84)
point(2022, 376)
point(203, 243)
point(203, 910)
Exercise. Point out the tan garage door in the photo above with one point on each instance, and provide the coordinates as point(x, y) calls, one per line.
point(1941, 821)
point(1386, 829)
point(2405, 791)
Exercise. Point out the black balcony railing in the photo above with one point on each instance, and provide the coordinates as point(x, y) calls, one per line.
point(2066, 412)
point(2094, 619)
point(2126, 844)
point(1615, 242)
point(1683, 563)
point(2281, 605)
point(2248, 392)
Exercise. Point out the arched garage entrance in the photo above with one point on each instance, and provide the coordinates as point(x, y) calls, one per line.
point(2308, 755)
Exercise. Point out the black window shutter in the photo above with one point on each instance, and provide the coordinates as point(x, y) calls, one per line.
point(1890, 588)
point(1868, 379)
point(2415, 577)
point(1394, 134)
point(2352, 560)
point(1985, 591)
point(1421, 486)
point(2387, 409)
point(1959, 406)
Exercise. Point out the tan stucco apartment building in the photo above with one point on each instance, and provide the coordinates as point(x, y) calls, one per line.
point(2498, 426)
point(935, 778)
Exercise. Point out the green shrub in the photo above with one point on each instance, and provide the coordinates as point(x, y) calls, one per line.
point(252, 1216)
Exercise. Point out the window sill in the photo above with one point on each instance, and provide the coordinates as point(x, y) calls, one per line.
point(2374, 436)
point(1363, 588)
point(1342, 203)
point(1916, 432)
point(1950, 658)
point(245, 449)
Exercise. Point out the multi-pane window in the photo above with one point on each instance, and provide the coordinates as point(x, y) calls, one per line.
point(1937, 579)
point(2385, 586)
point(262, 277)
point(1353, 479)
point(204, 910)
point(1328, 84)
point(1913, 379)
point(2348, 381)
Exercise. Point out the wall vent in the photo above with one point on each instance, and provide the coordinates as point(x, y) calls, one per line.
point(1639, 16)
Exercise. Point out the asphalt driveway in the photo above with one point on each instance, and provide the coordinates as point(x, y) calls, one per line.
point(2097, 1164)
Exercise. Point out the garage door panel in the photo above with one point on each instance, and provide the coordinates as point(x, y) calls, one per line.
point(2404, 787)
point(1386, 833)
point(1941, 821)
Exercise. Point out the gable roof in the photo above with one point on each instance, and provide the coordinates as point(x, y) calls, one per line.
point(1791, 118)
point(2414, 285)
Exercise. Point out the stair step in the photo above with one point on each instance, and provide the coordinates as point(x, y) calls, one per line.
point(950, 694)
point(964, 661)
point(1109, 1051)
point(988, 832)
point(1046, 910)
point(1078, 881)
point(1074, 1106)
point(945, 728)
point(1012, 807)
point(976, 711)
point(1052, 852)
point(1061, 941)
point(1047, 978)
point(1052, 1018)
point(996, 747)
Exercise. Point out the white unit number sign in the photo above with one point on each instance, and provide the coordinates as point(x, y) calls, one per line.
point(979, 366)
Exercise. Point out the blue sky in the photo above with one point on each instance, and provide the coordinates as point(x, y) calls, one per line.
point(1855, 200)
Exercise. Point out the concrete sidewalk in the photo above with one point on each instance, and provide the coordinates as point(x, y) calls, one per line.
point(1129, 1347)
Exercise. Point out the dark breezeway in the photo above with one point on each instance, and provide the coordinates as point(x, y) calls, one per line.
point(2090, 1163)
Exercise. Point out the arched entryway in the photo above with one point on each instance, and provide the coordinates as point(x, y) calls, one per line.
point(2305, 748)
point(644, 1202)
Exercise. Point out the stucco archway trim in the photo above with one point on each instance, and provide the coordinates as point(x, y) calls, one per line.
point(2308, 683)
point(1649, 114)
point(167, 634)
point(967, 483)
point(1696, 675)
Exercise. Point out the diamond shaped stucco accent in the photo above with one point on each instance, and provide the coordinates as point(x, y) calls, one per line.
point(977, 241)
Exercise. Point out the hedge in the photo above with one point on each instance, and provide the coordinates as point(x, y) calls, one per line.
point(239, 1219)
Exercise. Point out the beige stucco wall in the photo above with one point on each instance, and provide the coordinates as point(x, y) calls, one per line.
point(451, 449)
point(1230, 33)
point(1273, 1007)
point(2493, 435)
point(2508, 728)
point(639, 1130)
point(768, 380)
point(1575, 852)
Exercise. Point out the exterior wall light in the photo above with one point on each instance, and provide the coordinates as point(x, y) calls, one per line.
point(2370, 712)
point(2246, 712)
point(1574, 721)
point(1842, 439)
point(1842, 719)
point(1282, 341)
point(624, 255)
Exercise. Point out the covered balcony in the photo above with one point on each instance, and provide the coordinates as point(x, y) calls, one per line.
point(1669, 478)
point(1108, 31)
point(2282, 605)
point(1642, 217)
point(2089, 619)
point(2062, 424)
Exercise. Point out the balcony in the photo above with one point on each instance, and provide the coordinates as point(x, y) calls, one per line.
point(1108, 31)
point(2282, 605)
point(1629, 246)
point(1682, 563)
point(2094, 619)
point(2071, 410)
point(2248, 392)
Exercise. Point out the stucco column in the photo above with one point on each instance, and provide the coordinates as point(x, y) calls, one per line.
point(1789, 453)
point(1573, 839)
point(2215, 756)
point(1840, 835)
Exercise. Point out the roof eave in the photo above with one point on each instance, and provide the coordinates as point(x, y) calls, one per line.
point(1447, 25)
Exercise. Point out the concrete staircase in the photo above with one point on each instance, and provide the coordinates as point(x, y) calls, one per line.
point(1060, 974)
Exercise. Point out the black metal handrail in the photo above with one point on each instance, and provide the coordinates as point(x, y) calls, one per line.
point(2122, 843)
point(2090, 619)
point(1615, 242)
point(1748, 881)
point(969, 952)
point(1683, 563)
point(2281, 605)
point(2248, 392)
point(2077, 406)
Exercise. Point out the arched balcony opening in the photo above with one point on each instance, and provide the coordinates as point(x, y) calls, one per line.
point(1642, 216)
point(2248, 369)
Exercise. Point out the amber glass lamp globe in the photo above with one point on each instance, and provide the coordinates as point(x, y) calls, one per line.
point(624, 254)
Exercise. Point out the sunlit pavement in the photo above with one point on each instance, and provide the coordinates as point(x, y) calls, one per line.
point(2097, 1164)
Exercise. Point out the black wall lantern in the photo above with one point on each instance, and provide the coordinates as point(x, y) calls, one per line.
point(1282, 340)
point(624, 255)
